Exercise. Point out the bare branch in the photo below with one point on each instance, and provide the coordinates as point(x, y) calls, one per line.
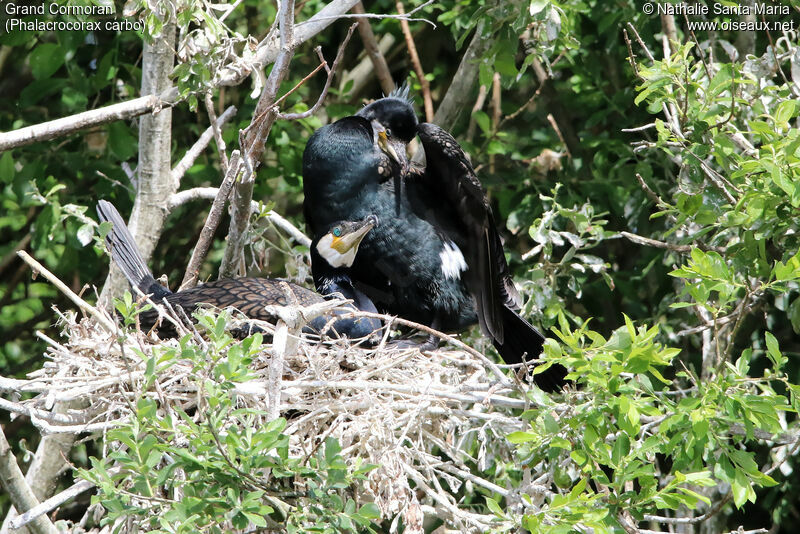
point(402, 16)
point(202, 142)
point(417, 64)
point(331, 72)
point(51, 504)
point(38, 268)
point(212, 221)
point(210, 193)
point(212, 118)
point(379, 65)
point(71, 124)
point(18, 490)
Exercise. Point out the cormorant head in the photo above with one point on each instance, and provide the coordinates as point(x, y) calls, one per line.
point(394, 124)
point(339, 246)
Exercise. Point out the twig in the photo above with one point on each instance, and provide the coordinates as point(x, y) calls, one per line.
point(496, 112)
point(639, 128)
point(210, 193)
point(523, 107)
point(689, 26)
point(308, 76)
point(82, 304)
point(554, 124)
point(212, 117)
point(477, 107)
point(188, 159)
point(88, 119)
point(400, 17)
point(18, 490)
point(417, 64)
point(631, 55)
point(53, 502)
point(212, 221)
point(641, 240)
point(690, 520)
point(331, 73)
point(441, 335)
point(380, 67)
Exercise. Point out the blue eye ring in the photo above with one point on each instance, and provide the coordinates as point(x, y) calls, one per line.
point(337, 232)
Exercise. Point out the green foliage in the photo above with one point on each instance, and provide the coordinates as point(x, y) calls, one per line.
point(560, 276)
point(685, 381)
point(625, 430)
point(218, 465)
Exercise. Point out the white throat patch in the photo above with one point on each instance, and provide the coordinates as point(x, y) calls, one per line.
point(452, 260)
point(333, 256)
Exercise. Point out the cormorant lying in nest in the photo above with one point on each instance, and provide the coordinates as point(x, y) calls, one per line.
point(335, 250)
point(436, 257)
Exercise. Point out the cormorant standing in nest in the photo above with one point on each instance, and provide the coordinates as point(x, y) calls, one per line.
point(436, 257)
point(248, 295)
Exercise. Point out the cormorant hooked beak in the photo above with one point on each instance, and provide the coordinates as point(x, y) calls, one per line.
point(383, 143)
point(352, 237)
point(340, 245)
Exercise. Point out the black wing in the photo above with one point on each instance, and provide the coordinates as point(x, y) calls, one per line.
point(450, 174)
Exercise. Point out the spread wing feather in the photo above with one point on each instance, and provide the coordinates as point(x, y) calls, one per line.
point(487, 278)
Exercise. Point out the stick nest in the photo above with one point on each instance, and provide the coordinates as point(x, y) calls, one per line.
point(432, 421)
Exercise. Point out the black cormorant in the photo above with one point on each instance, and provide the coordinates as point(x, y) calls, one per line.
point(436, 256)
point(248, 295)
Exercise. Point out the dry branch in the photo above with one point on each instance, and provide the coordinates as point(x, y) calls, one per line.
point(266, 54)
point(21, 495)
point(331, 72)
point(459, 94)
point(38, 268)
point(50, 504)
point(202, 142)
point(253, 142)
point(417, 64)
point(96, 117)
point(212, 221)
point(379, 65)
point(210, 193)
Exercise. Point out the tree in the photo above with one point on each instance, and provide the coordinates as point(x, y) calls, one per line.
point(648, 199)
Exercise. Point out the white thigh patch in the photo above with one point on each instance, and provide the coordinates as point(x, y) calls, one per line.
point(452, 260)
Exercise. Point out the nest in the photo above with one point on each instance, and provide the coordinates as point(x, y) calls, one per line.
point(419, 416)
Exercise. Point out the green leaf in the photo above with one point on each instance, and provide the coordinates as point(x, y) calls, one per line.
point(785, 111)
point(370, 510)
point(482, 120)
point(6, 168)
point(121, 142)
point(494, 507)
point(773, 351)
point(522, 437)
point(622, 446)
point(45, 60)
point(537, 6)
point(505, 63)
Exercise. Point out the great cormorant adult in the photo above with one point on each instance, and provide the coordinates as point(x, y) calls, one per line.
point(436, 256)
point(248, 295)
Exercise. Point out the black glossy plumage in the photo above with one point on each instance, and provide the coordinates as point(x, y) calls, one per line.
point(400, 264)
point(347, 176)
point(248, 295)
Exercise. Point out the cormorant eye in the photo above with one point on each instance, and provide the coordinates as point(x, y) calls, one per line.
point(388, 132)
point(337, 232)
